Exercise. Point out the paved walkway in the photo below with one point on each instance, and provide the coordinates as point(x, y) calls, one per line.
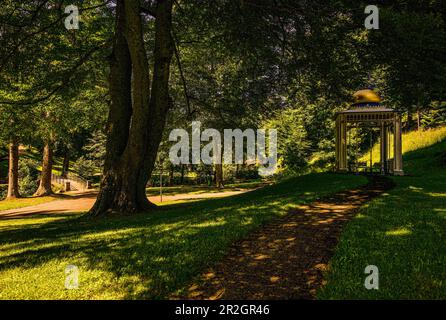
point(286, 259)
point(84, 201)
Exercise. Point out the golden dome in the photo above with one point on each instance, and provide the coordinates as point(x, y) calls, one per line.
point(366, 96)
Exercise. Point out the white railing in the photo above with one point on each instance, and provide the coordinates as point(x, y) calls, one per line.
point(75, 181)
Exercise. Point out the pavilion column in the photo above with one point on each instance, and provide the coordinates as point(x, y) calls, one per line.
point(397, 148)
point(383, 151)
point(337, 135)
point(342, 144)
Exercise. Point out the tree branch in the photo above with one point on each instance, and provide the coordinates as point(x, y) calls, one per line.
point(68, 76)
point(183, 79)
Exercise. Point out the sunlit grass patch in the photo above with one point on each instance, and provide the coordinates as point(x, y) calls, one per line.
point(23, 202)
point(200, 189)
point(413, 140)
point(398, 232)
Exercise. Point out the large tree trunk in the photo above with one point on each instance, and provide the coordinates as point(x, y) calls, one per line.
point(137, 114)
point(47, 168)
point(13, 170)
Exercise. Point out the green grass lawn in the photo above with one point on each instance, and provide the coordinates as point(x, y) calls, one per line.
point(144, 256)
point(199, 189)
point(23, 202)
point(403, 233)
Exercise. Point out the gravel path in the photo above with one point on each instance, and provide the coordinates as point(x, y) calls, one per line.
point(84, 201)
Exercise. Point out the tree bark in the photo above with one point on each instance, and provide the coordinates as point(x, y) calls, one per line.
point(47, 167)
point(66, 162)
point(138, 112)
point(410, 120)
point(219, 175)
point(171, 174)
point(182, 174)
point(13, 170)
point(418, 119)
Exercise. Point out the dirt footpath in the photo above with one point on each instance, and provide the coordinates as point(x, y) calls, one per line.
point(285, 259)
point(84, 201)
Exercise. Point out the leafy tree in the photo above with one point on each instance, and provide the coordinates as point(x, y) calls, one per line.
point(435, 116)
point(409, 48)
point(293, 146)
point(28, 176)
point(90, 164)
point(41, 63)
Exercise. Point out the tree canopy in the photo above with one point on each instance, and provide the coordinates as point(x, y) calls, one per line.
point(135, 69)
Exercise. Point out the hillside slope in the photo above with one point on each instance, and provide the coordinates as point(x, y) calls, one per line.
point(403, 233)
point(412, 141)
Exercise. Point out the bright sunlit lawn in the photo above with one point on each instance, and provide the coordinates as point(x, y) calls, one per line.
point(144, 256)
point(23, 202)
point(403, 233)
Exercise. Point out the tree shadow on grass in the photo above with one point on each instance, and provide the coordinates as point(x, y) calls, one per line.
point(160, 251)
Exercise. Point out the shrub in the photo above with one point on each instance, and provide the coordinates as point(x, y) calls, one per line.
point(57, 187)
point(3, 191)
point(248, 173)
point(294, 147)
point(86, 168)
point(28, 176)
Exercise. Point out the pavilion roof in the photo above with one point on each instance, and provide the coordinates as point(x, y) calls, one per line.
point(370, 109)
point(366, 101)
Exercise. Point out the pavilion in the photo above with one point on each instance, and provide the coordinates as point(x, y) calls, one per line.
point(367, 111)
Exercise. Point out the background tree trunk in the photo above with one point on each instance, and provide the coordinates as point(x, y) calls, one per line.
point(182, 174)
point(66, 162)
point(171, 174)
point(410, 120)
point(47, 167)
point(418, 119)
point(13, 171)
point(219, 175)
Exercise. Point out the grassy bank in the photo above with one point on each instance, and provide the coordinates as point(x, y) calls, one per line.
point(412, 141)
point(403, 233)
